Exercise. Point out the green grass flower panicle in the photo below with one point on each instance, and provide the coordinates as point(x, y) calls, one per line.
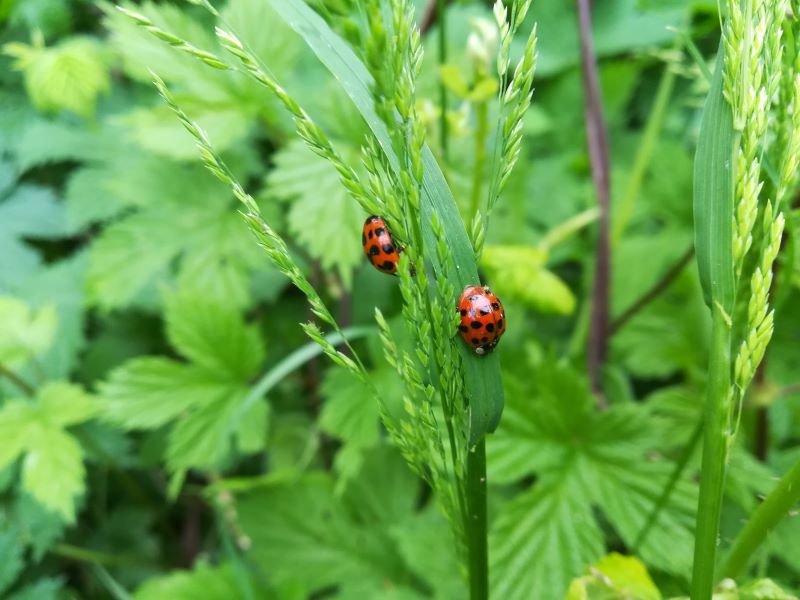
point(755, 83)
point(514, 98)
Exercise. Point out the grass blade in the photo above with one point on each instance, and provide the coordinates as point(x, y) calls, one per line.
point(713, 214)
point(713, 197)
point(482, 374)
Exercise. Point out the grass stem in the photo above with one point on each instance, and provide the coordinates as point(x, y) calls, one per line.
point(481, 133)
point(476, 522)
point(715, 446)
point(441, 14)
point(777, 505)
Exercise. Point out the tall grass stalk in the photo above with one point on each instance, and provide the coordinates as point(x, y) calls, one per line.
point(442, 432)
point(738, 235)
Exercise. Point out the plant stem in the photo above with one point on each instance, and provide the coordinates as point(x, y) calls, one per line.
point(776, 506)
point(481, 132)
point(715, 441)
point(441, 14)
point(23, 385)
point(597, 138)
point(654, 292)
point(644, 154)
point(674, 477)
point(476, 522)
point(93, 556)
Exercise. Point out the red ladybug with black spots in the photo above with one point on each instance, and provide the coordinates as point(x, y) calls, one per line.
point(483, 320)
point(379, 246)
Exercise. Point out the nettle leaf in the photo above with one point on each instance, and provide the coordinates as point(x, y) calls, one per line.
point(213, 336)
point(24, 333)
point(69, 76)
point(42, 142)
point(201, 397)
point(302, 533)
point(211, 583)
point(12, 552)
point(52, 467)
point(553, 431)
point(350, 411)
point(194, 227)
point(156, 129)
point(43, 589)
point(322, 217)
point(542, 539)
point(30, 212)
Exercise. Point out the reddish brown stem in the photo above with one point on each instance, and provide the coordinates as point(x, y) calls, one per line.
point(597, 139)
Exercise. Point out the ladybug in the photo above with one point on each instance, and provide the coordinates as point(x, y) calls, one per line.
point(483, 320)
point(379, 246)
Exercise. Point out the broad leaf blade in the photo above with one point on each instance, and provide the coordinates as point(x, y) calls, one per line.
point(482, 374)
point(713, 197)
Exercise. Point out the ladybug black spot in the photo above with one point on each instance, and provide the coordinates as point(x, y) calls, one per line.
point(475, 324)
point(475, 341)
point(485, 310)
point(388, 265)
point(490, 327)
point(472, 298)
point(463, 312)
point(495, 306)
point(374, 250)
point(388, 248)
point(500, 324)
point(380, 231)
point(485, 340)
point(462, 328)
point(371, 234)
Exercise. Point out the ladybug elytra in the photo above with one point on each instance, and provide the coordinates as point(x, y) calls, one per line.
point(483, 320)
point(379, 246)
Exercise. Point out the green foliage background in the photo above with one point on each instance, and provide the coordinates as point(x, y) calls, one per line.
point(137, 316)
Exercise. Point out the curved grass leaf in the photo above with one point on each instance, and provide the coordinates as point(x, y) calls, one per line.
point(713, 197)
point(482, 374)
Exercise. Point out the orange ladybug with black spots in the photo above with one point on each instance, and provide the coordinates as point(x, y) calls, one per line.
point(379, 246)
point(483, 319)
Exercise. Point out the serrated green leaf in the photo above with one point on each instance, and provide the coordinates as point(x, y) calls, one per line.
point(713, 196)
point(482, 374)
point(209, 583)
point(305, 534)
point(156, 129)
point(44, 589)
point(69, 76)
point(24, 333)
point(53, 471)
point(350, 412)
point(542, 539)
point(66, 404)
point(213, 336)
point(147, 393)
point(38, 527)
point(12, 564)
point(59, 285)
point(555, 433)
point(321, 208)
point(203, 437)
point(30, 212)
point(43, 142)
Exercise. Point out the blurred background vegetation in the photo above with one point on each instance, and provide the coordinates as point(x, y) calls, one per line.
point(137, 316)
